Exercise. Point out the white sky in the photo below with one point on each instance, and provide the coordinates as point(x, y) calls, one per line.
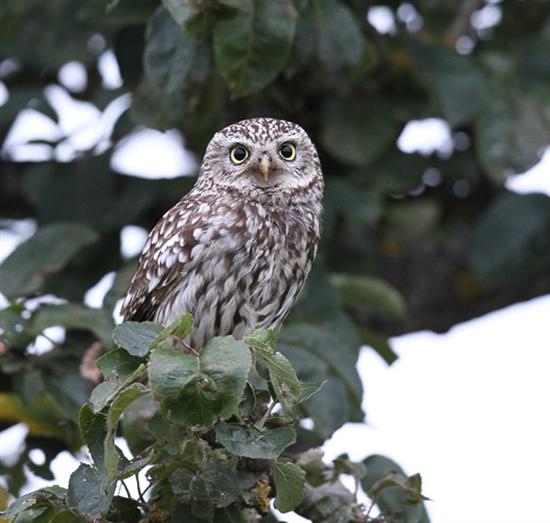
point(469, 410)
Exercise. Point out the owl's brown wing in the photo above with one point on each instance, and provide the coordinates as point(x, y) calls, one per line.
point(166, 258)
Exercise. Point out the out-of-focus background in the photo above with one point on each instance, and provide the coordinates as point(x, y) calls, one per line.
point(432, 120)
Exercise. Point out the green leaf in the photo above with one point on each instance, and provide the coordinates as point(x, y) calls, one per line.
point(340, 42)
point(281, 372)
point(46, 494)
point(131, 468)
point(195, 389)
point(511, 133)
point(73, 316)
point(252, 47)
point(395, 495)
point(119, 370)
point(328, 352)
point(25, 270)
point(511, 241)
point(123, 509)
point(93, 428)
point(372, 293)
point(136, 337)
point(117, 407)
point(222, 481)
point(379, 343)
point(253, 443)
point(453, 81)
point(178, 329)
point(356, 133)
point(87, 493)
point(169, 52)
point(310, 389)
point(289, 481)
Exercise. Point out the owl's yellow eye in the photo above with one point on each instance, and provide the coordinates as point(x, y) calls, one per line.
point(238, 154)
point(287, 151)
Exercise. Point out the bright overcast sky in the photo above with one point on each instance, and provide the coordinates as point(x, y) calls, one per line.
point(469, 410)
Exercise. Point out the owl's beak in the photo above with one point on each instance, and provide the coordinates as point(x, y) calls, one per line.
point(264, 169)
point(264, 164)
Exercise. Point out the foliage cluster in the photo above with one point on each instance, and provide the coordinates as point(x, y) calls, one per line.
point(217, 430)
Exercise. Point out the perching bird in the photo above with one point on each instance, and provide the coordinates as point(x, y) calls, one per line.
point(236, 250)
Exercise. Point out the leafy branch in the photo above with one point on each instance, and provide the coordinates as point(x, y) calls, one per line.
point(214, 447)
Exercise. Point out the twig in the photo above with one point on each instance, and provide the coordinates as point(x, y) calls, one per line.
point(260, 424)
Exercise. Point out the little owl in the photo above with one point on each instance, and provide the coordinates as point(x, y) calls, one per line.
point(236, 250)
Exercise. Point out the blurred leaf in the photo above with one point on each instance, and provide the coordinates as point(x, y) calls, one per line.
point(136, 337)
point(73, 316)
point(379, 343)
point(41, 416)
point(91, 193)
point(327, 352)
point(338, 34)
point(24, 271)
point(169, 52)
point(372, 293)
point(195, 389)
point(395, 495)
point(511, 133)
point(87, 494)
point(289, 481)
point(414, 218)
point(251, 48)
point(355, 133)
point(253, 443)
point(511, 241)
point(453, 81)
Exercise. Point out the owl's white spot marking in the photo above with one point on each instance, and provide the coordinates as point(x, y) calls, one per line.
point(153, 282)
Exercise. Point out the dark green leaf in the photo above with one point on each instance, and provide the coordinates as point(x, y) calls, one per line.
point(195, 389)
point(373, 293)
point(253, 443)
point(87, 493)
point(178, 329)
point(251, 48)
point(321, 352)
point(119, 370)
point(289, 481)
point(511, 241)
point(340, 42)
point(453, 81)
point(47, 494)
point(25, 270)
point(511, 133)
point(136, 337)
point(282, 374)
point(74, 316)
point(355, 133)
point(169, 52)
point(395, 495)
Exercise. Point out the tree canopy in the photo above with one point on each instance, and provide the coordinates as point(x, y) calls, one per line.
point(411, 241)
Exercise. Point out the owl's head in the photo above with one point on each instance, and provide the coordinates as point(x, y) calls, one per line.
point(262, 156)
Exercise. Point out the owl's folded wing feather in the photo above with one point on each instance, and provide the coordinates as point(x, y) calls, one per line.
point(166, 258)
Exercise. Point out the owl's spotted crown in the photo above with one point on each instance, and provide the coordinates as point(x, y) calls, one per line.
point(260, 130)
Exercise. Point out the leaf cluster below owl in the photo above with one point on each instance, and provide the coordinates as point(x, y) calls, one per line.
point(236, 250)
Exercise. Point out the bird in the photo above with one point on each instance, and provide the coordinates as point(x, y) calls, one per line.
point(236, 250)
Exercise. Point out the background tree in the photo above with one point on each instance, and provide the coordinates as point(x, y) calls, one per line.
point(410, 241)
